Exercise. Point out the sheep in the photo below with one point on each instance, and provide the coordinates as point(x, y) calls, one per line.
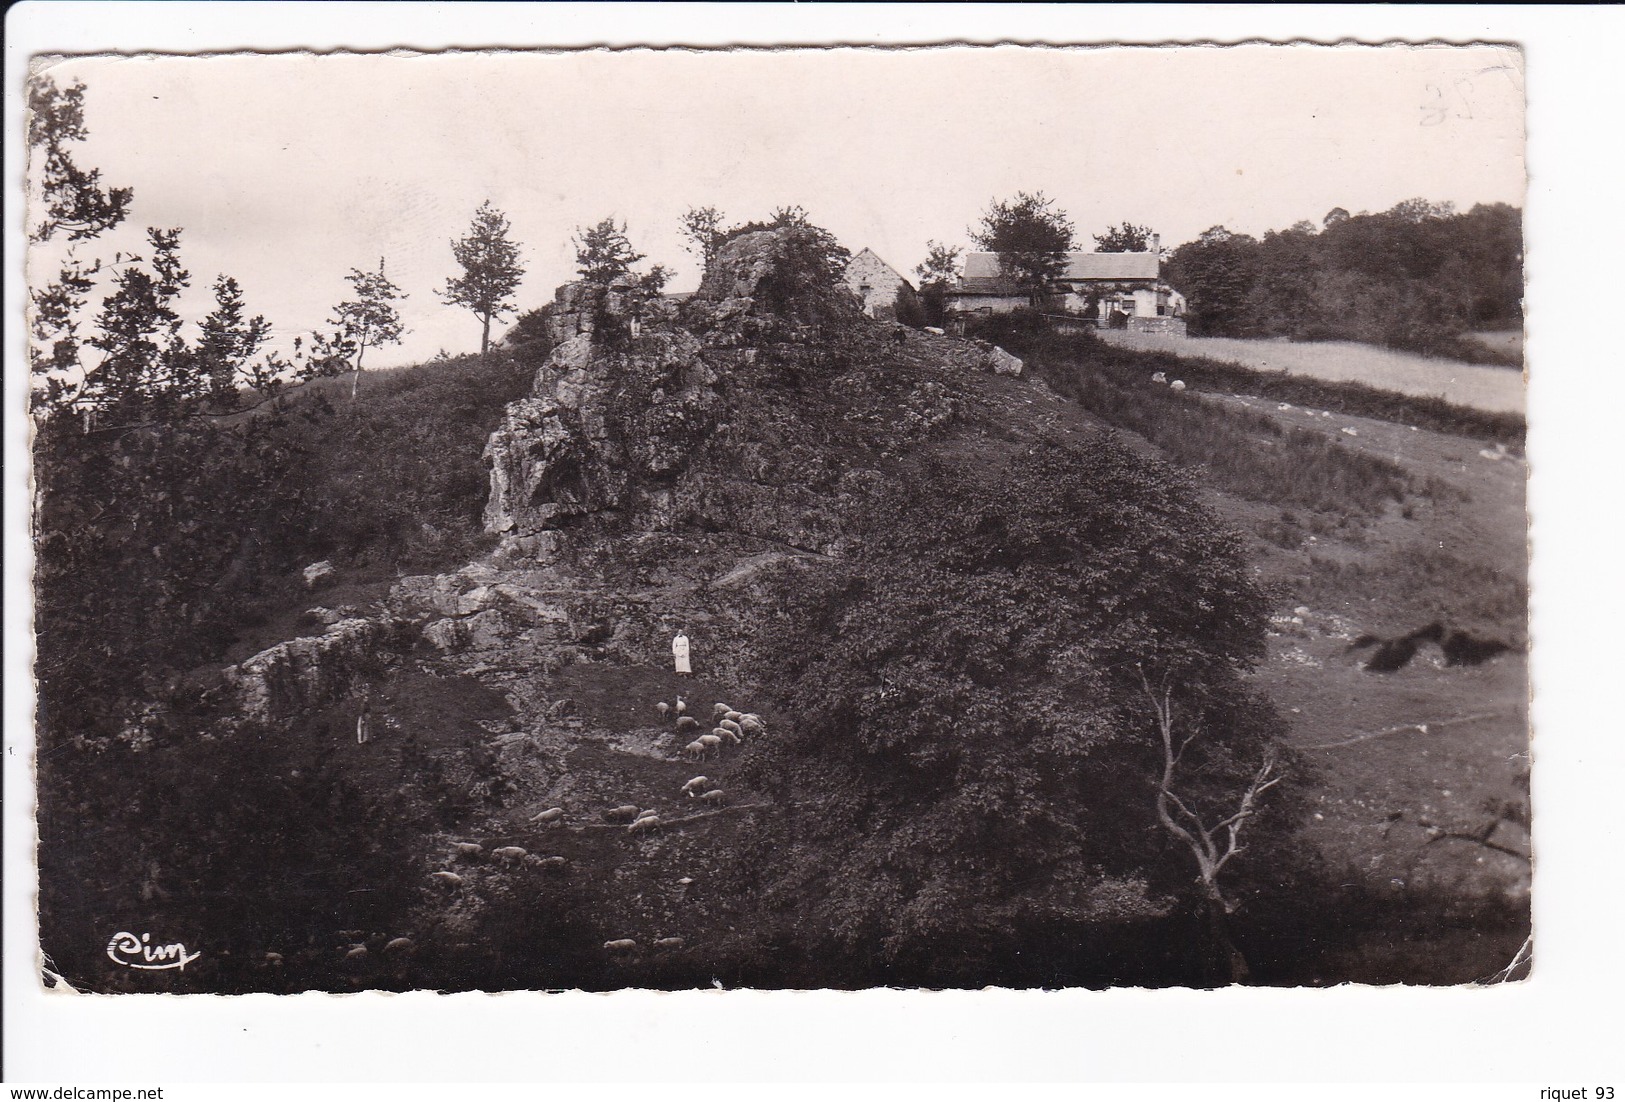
point(669, 943)
point(1177, 384)
point(468, 849)
point(722, 734)
point(550, 816)
point(357, 952)
point(623, 814)
point(620, 945)
point(664, 709)
point(752, 724)
point(510, 853)
point(710, 742)
point(719, 710)
point(644, 826)
point(715, 796)
point(450, 879)
point(680, 707)
point(694, 751)
point(554, 863)
point(1160, 377)
point(735, 716)
point(274, 959)
point(686, 724)
point(398, 945)
point(731, 725)
point(695, 784)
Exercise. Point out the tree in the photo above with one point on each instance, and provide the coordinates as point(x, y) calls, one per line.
point(702, 227)
point(1031, 238)
point(230, 340)
point(73, 197)
point(938, 272)
point(1126, 238)
point(970, 713)
point(1216, 274)
point(604, 252)
point(491, 270)
point(370, 318)
point(72, 200)
point(1212, 846)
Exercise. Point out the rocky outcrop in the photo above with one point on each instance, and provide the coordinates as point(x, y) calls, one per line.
point(312, 671)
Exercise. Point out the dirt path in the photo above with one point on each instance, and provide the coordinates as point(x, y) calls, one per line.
point(1496, 389)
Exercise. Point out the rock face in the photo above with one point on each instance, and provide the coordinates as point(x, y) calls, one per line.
point(309, 672)
point(601, 422)
point(636, 417)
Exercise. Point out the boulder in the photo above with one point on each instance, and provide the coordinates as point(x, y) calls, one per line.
point(1001, 362)
point(309, 672)
point(318, 574)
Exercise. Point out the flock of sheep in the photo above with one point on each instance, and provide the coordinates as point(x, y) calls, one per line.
point(731, 727)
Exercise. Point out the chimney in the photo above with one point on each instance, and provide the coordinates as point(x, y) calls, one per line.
point(1156, 245)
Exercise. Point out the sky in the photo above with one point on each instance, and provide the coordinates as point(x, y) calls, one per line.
point(287, 171)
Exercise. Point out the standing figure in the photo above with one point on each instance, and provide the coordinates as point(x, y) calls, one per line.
point(679, 653)
point(363, 721)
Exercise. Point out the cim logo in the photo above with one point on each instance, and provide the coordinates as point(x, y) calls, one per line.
point(139, 952)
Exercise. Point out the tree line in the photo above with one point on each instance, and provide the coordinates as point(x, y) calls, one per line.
point(1417, 276)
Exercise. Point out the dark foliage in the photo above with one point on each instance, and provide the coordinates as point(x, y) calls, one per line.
point(1032, 237)
point(155, 545)
point(527, 339)
point(148, 841)
point(1415, 277)
point(968, 686)
point(1124, 238)
point(909, 308)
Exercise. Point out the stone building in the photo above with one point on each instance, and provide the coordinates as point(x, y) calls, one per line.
point(1120, 290)
point(875, 283)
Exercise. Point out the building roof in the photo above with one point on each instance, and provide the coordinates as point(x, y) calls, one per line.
point(982, 274)
point(879, 260)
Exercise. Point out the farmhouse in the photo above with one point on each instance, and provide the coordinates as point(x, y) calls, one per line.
point(1119, 290)
point(874, 282)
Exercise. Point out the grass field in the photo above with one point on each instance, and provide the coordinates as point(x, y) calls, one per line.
point(1494, 389)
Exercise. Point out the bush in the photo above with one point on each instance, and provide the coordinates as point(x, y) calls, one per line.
point(972, 726)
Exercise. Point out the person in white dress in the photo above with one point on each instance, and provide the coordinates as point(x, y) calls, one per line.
point(679, 653)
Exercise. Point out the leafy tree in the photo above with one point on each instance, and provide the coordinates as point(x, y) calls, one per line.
point(1032, 239)
point(908, 308)
point(940, 266)
point(938, 272)
point(1216, 274)
point(73, 198)
point(491, 270)
point(604, 252)
point(1416, 276)
point(970, 712)
point(1126, 238)
point(132, 362)
point(704, 232)
point(369, 319)
point(229, 342)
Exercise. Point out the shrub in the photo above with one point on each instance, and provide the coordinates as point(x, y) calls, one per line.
point(970, 719)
